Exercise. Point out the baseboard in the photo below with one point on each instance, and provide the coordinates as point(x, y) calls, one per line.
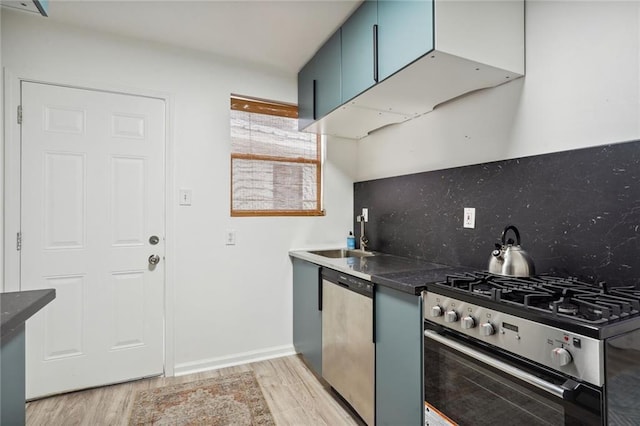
point(233, 360)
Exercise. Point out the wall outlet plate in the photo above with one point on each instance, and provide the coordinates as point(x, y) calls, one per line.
point(365, 214)
point(469, 219)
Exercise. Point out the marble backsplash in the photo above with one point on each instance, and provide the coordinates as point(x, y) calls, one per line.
point(578, 212)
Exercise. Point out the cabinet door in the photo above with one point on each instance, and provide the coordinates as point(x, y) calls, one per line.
point(306, 84)
point(358, 54)
point(405, 33)
point(399, 357)
point(307, 313)
point(327, 75)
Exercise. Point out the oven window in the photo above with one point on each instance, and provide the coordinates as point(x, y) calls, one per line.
point(467, 393)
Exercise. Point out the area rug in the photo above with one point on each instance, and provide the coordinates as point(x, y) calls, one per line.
point(229, 400)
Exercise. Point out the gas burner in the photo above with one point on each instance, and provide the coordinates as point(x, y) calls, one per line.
point(481, 288)
point(566, 308)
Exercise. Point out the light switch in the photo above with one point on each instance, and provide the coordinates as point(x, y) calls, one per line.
point(185, 197)
point(230, 237)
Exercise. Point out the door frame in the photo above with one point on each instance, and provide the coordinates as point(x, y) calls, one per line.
point(11, 196)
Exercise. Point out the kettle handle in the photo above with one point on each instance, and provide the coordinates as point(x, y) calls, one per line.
point(515, 231)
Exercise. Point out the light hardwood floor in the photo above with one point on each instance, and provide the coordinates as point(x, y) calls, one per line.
point(295, 397)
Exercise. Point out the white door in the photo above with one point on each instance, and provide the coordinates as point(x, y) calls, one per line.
point(92, 198)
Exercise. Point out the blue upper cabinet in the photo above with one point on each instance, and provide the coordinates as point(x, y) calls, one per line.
point(36, 6)
point(405, 33)
point(319, 83)
point(328, 84)
point(306, 101)
point(381, 38)
point(358, 50)
point(393, 60)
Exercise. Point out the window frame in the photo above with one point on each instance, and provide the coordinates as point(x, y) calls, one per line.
point(256, 106)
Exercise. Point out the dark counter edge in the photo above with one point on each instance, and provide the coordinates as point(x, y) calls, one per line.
point(17, 307)
point(415, 281)
point(409, 279)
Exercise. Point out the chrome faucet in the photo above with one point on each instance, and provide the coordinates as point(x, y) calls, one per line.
point(363, 239)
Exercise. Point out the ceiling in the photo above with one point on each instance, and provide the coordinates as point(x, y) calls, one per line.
point(281, 34)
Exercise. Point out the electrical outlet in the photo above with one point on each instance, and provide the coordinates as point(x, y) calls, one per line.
point(469, 217)
point(230, 237)
point(365, 214)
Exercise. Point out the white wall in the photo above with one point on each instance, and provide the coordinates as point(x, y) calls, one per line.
point(230, 302)
point(581, 89)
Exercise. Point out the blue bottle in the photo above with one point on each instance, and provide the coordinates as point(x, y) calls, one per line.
point(351, 241)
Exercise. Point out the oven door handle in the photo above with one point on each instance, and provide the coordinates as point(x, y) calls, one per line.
point(559, 391)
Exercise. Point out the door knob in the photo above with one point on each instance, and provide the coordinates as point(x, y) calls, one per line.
point(154, 259)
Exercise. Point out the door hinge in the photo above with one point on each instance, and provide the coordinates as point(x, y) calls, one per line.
point(19, 114)
point(19, 241)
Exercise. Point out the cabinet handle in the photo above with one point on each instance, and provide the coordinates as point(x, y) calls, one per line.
point(319, 292)
point(373, 315)
point(375, 53)
point(315, 83)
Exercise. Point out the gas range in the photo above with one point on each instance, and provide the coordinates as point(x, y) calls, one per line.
point(559, 323)
point(593, 310)
point(575, 342)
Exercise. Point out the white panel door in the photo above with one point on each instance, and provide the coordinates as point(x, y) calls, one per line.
point(92, 196)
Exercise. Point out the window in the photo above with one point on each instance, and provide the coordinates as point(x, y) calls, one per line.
point(275, 169)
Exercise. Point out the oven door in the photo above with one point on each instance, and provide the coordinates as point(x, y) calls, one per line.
point(468, 384)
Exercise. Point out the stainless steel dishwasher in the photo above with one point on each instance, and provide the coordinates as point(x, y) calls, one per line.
point(348, 340)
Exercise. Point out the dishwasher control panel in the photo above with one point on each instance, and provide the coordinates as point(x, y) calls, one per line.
point(355, 284)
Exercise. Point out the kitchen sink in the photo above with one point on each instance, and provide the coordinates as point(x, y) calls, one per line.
point(340, 253)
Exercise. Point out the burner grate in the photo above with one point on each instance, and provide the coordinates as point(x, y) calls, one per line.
point(561, 297)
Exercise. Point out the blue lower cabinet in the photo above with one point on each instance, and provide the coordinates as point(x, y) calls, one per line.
point(399, 358)
point(307, 314)
point(12, 378)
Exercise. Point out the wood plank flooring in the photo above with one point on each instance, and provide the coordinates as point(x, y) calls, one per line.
point(294, 394)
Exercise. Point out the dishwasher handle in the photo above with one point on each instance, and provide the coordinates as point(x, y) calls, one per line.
point(563, 392)
point(343, 284)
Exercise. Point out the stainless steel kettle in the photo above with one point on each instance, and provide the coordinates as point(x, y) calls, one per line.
point(509, 259)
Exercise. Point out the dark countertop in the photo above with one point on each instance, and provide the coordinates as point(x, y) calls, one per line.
point(415, 281)
point(400, 273)
point(17, 307)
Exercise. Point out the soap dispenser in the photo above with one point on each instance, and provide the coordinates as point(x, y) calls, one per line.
point(351, 241)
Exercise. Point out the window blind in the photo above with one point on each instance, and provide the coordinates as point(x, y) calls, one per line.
point(275, 169)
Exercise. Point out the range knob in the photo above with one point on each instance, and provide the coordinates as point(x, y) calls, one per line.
point(561, 357)
point(468, 322)
point(451, 316)
point(436, 311)
point(487, 329)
